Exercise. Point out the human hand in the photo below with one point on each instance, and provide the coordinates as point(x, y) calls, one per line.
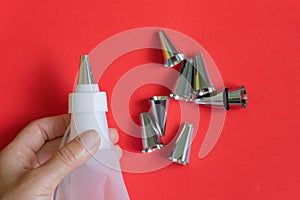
point(32, 166)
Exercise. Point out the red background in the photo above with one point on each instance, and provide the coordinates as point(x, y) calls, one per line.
point(255, 43)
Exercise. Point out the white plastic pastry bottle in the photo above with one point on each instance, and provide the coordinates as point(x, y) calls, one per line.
point(100, 178)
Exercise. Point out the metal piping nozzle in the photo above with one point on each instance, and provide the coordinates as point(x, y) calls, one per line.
point(171, 56)
point(158, 112)
point(219, 99)
point(181, 150)
point(201, 81)
point(85, 75)
point(183, 89)
point(151, 140)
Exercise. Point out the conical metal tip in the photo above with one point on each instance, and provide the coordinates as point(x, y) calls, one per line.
point(171, 56)
point(85, 75)
point(219, 99)
point(151, 140)
point(238, 97)
point(183, 89)
point(201, 81)
point(181, 150)
point(158, 112)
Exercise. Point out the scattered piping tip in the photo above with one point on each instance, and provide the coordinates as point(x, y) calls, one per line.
point(238, 97)
point(202, 84)
point(219, 99)
point(150, 139)
point(171, 56)
point(85, 75)
point(181, 150)
point(158, 112)
point(183, 89)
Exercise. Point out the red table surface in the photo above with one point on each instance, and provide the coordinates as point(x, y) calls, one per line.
point(255, 43)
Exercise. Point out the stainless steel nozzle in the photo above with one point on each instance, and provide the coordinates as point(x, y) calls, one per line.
point(202, 84)
point(183, 89)
point(238, 97)
point(171, 56)
point(150, 138)
point(219, 99)
point(181, 150)
point(158, 112)
point(85, 75)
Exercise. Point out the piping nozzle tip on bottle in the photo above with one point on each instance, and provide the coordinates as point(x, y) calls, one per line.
point(182, 148)
point(171, 55)
point(85, 75)
point(150, 138)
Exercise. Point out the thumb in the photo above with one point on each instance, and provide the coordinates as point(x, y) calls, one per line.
point(67, 158)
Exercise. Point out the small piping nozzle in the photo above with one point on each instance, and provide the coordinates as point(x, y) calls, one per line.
point(150, 139)
point(171, 56)
point(238, 97)
point(183, 89)
point(181, 150)
point(219, 99)
point(158, 112)
point(201, 81)
point(85, 75)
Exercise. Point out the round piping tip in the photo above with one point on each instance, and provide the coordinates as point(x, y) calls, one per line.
point(158, 111)
point(150, 138)
point(181, 150)
point(171, 56)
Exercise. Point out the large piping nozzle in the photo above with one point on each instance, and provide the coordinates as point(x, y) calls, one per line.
point(171, 56)
point(202, 84)
point(181, 150)
point(150, 138)
point(238, 97)
point(183, 89)
point(158, 112)
point(219, 99)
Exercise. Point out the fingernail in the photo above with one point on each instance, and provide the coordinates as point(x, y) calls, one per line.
point(119, 151)
point(113, 133)
point(90, 139)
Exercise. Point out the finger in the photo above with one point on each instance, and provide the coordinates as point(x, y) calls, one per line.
point(50, 147)
point(66, 159)
point(47, 150)
point(34, 135)
point(113, 135)
point(119, 151)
